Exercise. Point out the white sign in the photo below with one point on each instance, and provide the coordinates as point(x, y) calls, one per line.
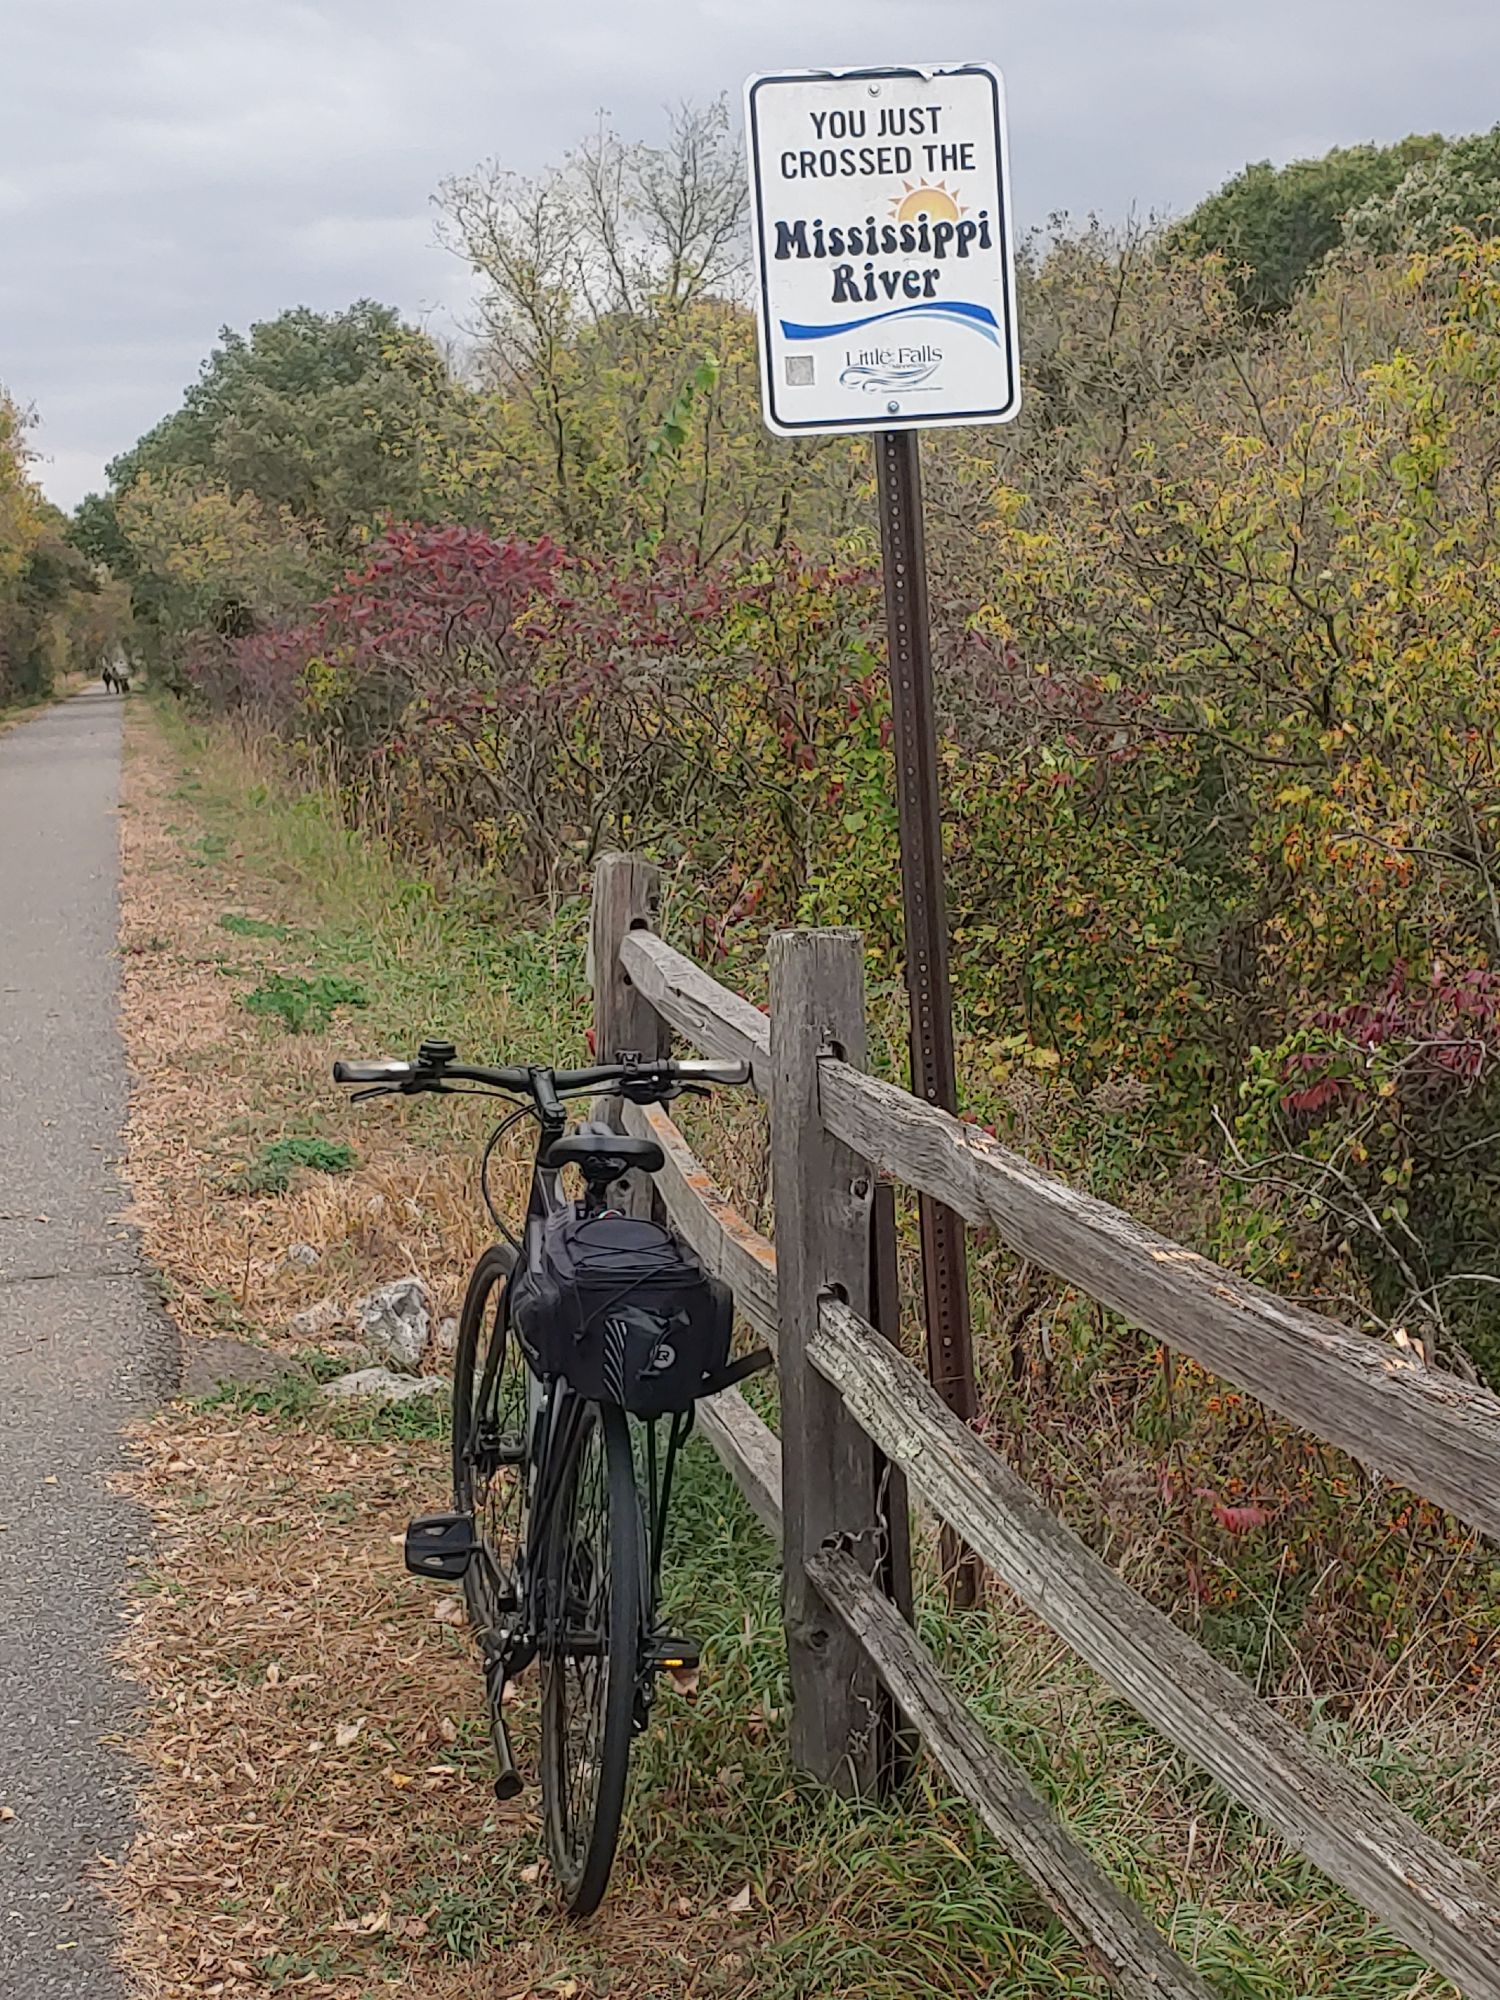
point(880, 207)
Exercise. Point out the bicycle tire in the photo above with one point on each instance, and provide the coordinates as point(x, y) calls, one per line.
point(583, 1819)
point(487, 1483)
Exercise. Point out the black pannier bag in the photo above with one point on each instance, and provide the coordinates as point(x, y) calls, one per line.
point(625, 1313)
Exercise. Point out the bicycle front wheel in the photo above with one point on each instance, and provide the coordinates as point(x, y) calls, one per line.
point(590, 1651)
point(490, 1420)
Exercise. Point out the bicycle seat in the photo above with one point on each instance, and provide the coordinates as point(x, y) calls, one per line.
point(605, 1154)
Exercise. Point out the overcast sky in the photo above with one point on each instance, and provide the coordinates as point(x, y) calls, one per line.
point(167, 166)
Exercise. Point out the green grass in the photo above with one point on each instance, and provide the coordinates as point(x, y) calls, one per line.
point(424, 964)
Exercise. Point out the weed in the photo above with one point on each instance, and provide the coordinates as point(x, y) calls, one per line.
point(418, 1420)
point(293, 1397)
point(271, 1171)
point(304, 1005)
point(250, 927)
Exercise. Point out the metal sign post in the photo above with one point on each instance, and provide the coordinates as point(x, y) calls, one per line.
point(886, 303)
point(945, 1269)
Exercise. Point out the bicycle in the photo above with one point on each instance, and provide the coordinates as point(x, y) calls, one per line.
point(558, 1522)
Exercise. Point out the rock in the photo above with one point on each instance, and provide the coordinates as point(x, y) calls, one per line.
point(316, 1320)
point(381, 1383)
point(236, 1364)
point(447, 1336)
point(300, 1257)
point(393, 1321)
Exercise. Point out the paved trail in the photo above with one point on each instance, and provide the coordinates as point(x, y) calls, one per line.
point(83, 1346)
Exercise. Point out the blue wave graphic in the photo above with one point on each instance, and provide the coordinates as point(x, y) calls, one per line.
point(979, 317)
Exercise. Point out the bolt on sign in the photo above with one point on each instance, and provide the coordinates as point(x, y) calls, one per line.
point(881, 216)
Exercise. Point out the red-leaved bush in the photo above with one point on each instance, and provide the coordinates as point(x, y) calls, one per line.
point(506, 705)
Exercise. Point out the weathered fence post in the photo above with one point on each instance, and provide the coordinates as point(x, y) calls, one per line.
point(822, 1194)
point(626, 896)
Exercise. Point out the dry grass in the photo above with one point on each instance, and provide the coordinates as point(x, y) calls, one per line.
point(212, 1084)
point(278, 1616)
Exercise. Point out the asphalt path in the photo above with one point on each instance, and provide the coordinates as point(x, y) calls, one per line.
point(83, 1347)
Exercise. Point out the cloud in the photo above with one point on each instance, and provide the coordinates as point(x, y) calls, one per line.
point(168, 168)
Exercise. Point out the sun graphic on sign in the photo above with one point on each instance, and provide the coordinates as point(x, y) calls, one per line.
point(936, 203)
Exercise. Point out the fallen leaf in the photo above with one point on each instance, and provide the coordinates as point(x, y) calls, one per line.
point(739, 1906)
point(684, 1679)
point(448, 1611)
point(347, 1733)
point(7, 1812)
point(273, 1674)
point(532, 1872)
point(448, 1729)
point(399, 1778)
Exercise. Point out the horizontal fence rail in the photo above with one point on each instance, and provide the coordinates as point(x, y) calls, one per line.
point(833, 1129)
point(1117, 1935)
point(707, 1014)
point(1436, 1434)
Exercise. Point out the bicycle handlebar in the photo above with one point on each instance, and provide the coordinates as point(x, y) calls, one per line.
point(538, 1081)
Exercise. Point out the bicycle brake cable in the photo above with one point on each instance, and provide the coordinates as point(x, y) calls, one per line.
point(521, 1111)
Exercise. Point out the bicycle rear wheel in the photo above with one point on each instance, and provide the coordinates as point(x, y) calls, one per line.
point(490, 1403)
point(590, 1652)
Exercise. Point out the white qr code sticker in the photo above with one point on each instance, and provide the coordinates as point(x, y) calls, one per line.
point(799, 371)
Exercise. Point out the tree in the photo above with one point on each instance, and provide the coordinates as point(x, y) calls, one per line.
point(1458, 188)
point(203, 560)
point(56, 609)
point(334, 418)
point(624, 406)
point(1275, 225)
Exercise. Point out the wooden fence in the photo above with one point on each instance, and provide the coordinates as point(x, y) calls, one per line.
point(854, 1411)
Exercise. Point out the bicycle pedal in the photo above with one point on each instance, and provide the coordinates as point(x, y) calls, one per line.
point(668, 1654)
point(439, 1546)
